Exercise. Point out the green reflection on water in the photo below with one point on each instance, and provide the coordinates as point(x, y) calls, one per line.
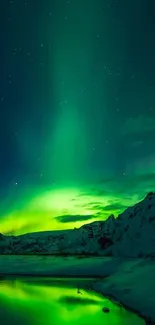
point(54, 302)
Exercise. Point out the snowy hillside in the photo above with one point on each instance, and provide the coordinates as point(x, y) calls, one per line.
point(131, 234)
point(134, 233)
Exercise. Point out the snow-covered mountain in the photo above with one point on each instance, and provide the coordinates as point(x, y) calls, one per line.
point(131, 234)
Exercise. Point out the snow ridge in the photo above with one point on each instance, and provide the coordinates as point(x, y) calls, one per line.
point(131, 234)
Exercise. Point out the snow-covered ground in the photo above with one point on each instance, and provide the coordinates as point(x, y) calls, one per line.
point(133, 286)
point(58, 266)
point(129, 281)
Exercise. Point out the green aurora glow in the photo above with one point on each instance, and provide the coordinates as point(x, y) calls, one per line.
point(78, 172)
point(49, 208)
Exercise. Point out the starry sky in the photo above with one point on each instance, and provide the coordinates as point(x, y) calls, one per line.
point(77, 104)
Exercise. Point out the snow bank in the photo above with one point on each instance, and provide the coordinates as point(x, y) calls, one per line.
point(133, 286)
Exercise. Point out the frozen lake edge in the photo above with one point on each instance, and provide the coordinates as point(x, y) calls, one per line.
point(129, 281)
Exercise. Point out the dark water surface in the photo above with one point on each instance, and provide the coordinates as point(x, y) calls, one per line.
point(48, 301)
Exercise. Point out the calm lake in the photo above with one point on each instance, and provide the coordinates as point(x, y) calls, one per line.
point(29, 301)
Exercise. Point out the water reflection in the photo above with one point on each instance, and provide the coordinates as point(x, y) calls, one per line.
point(48, 301)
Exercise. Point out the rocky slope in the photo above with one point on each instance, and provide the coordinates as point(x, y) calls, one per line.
point(132, 234)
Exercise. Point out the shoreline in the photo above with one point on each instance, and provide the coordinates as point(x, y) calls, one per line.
point(90, 288)
point(126, 282)
point(117, 302)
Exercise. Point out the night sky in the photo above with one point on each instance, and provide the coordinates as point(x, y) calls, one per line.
point(77, 104)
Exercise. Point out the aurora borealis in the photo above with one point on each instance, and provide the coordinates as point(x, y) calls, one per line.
point(77, 100)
